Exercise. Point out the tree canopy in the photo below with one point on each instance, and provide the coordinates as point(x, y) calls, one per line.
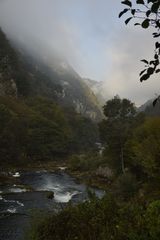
point(115, 129)
point(144, 147)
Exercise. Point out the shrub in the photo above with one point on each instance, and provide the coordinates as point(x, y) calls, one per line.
point(85, 162)
point(126, 186)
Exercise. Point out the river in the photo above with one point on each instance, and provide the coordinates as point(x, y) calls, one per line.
point(19, 201)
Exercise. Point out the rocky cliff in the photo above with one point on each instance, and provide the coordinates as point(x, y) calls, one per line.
point(23, 74)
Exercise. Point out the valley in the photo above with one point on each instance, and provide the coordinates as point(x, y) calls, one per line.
point(73, 165)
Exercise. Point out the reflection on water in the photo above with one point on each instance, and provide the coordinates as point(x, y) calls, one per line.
point(16, 203)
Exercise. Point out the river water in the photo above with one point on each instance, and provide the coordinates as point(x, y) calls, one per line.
point(18, 202)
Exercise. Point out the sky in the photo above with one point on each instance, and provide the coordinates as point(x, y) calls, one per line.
point(90, 36)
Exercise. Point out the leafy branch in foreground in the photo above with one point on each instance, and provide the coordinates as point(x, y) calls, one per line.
point(147, 12)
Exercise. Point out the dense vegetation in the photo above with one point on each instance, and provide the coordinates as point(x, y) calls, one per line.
point(103, 219)
point(29, 80)
point(34, 123)
point(37, 129)
point(131, 208)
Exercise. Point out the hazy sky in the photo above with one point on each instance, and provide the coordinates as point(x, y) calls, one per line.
point(90, 36)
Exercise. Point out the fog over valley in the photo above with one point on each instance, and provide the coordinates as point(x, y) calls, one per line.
point(79, 119)
point(89, 36)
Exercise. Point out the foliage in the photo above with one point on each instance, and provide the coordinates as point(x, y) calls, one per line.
point(126, 186)
point(37, 129)
point(153, 219)
point(29, 135)
point(101, 219)
point(148, 12)
point(36, 126)
point(145, 147)
point(91, 220)
point(121, 118)
point(119, 109)
point(83, 130)
point(85, 162)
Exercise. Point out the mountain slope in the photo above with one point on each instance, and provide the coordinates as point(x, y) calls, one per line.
point(31, 75)
point(73, 92)
point(8, 65)
point(36, 121)
point(17, 78)
point(98, 89)
point(149, 109)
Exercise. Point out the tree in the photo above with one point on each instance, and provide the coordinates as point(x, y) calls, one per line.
point(147, 12)
point(114, 130)
point(145, 148)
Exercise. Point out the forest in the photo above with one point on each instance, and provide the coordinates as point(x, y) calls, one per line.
point(131, 207)
point(48, 115)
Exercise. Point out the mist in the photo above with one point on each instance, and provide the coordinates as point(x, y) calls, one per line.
point(89, 36)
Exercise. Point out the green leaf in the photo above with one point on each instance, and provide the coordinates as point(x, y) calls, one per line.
point(140, 2)
point(155, 7)
point(127, 20)
point(148, 13)
point(157, 45)
point(145, 23)
point(124, 11)
point(149, 1)
point(150, 70)
point(142, 72)
point(136, 24)
point(156, 56)
point(126, 2)
point(152, 62)
point(145, 61)
point(133, 11)
point(158, 23)
point(155, 35)
point(144, 77)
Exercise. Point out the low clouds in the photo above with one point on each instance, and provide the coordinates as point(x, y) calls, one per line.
point(89, 35)
point(125, 53)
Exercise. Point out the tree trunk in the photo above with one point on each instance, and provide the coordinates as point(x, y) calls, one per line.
point(122, 160)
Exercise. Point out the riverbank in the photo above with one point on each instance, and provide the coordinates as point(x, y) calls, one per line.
point(87, 177)
point(8, 172)
point(90, 178)
point(32, 195)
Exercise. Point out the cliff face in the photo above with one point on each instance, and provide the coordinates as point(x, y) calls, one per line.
point(69, 89)
point(7, 67)
point(98, 89)
point(43, 108)
point(7, 87)
point(25, 75)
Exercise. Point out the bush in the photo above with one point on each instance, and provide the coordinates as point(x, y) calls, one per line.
point(152, 218)
point(85, 162)
point(126, 186)
point(92, 220)
point(103, 219)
